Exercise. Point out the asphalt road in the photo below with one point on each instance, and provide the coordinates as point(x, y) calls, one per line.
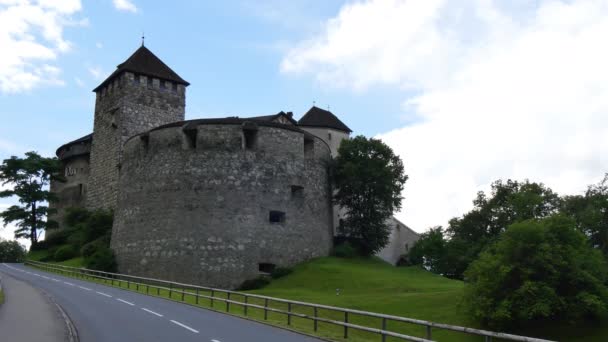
point(104, 313)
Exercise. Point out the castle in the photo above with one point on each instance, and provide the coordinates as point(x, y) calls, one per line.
point(208, 201)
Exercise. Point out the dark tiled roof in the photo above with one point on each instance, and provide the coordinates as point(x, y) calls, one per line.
point(144, 62)
point(87, 139)
point(288, 116)
point(317, 117)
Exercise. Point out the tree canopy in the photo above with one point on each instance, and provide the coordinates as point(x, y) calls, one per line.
point(368, 178)
point(11, 251)
point(28, 179)
point(590, 212)
point(538, 270)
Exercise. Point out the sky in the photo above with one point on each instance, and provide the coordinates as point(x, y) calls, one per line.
point(465, 92)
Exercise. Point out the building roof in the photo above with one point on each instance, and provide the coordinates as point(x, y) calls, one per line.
point(61, 151)
point(317, 117)
point(144, 62)
point(273, 118)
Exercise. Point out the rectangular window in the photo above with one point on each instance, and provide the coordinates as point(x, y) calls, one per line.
point(174, 86)
point(136, 79)
point(150, 82)
point(276, 216)
point(163, 85)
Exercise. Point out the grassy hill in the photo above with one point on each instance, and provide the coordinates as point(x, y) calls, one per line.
point(372, 285)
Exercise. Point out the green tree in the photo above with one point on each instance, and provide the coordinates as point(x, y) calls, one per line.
point(429, 251)
point(11, 251)
point(509, 202)
point(368, 178)
point(28, 178)
point(537, 271)
point(590, 211)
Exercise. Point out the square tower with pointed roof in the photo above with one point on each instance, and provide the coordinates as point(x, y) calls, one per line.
point(142, 93)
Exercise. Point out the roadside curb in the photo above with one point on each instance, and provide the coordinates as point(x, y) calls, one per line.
point(71, 329)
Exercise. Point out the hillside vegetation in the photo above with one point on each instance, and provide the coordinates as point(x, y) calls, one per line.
point(373, 285)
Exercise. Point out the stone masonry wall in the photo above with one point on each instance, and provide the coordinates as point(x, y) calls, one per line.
point(71, 192)
point(198, 212)
point(129, 105)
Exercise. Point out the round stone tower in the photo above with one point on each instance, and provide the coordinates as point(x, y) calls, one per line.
point(219, 201)
point(142, 93)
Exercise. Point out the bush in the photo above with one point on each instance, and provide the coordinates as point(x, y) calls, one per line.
point(91, 247)
point(345, 250)
point(56, 237)
point(65, 252)
point(280, 272)
point(254, 284)
point(539, 271)
point(102, 260)
point(404, 261)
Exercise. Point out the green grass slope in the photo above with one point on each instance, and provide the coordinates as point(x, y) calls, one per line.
point(373, 285)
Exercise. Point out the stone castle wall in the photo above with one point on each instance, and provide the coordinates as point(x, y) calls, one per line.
point(195, 202)
point(129, 105)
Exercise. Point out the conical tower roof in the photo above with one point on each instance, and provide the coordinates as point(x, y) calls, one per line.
point(317, 117)
point(144, 62)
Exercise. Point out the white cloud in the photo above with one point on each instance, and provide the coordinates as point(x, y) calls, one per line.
point(125, 5)
point(96, 72)
point(31, 38)
point(499, 92)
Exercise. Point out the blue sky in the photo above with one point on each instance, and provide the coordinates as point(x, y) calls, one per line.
point(230, 53)
point(466, 92)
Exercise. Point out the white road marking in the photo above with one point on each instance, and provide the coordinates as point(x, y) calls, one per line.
point(152, 312)
point(85, 288)
point(104, 294)
point(184, 326)
point(53, 279)
point(65, 282)
point(124, 301)
point(45, 277)
point(215, 341)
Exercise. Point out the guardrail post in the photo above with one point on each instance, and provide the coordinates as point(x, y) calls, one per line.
point(345, 327)
point(196, 296)
point(384, 329)
point(488, 338)
point(245, 306)
point(428, 332)
point(147, 289)
point(288, 313)
point(227, 302)
point(265, 309)
point(211, 299)
point(183, 294)
point(170, 289)
point(158, 290)
point(315, 320)
point(137, 287)
point(128, 284)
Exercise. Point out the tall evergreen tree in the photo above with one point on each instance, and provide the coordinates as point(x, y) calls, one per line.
point(28, 179)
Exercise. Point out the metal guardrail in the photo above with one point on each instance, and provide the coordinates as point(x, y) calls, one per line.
point(180, 288)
